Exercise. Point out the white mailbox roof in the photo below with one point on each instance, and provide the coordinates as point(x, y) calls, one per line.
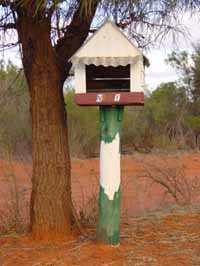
point(109, 46)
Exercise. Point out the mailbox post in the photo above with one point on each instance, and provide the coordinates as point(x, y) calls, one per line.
point(109, 72)
point(110, 191)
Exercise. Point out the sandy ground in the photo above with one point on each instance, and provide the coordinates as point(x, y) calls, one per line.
point(148, 237)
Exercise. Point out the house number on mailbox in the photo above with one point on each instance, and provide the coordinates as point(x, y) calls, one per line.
point(117, 98)
point(99, 98)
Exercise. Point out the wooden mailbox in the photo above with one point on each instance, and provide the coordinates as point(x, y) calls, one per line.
point(109, 72)
point(109, 69)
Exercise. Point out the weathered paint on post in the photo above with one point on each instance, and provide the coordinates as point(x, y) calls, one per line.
point(109, 197)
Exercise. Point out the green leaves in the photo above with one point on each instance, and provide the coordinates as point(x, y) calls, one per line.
point(194, 123)
point(165, 103)
point(178, 60)
point(87, 7)
point(39, 5)
point(15, 130)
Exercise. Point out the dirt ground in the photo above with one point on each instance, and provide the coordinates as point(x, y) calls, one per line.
point(159, 226)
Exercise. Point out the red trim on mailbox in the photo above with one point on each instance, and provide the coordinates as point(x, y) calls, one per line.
point(109, 98)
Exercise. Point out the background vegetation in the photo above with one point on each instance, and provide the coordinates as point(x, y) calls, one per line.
point(169, 121)
point(15, 129)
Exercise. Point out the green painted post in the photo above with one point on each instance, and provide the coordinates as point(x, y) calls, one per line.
point(109, 196)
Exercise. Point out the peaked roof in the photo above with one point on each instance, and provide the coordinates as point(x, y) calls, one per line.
point(109, 46)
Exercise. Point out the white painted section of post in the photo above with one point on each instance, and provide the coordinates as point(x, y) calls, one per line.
point(137, 76)
point(110, 166)
point(80, 78)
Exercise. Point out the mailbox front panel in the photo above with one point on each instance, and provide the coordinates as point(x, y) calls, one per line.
point(109, 98)
point(107, 79)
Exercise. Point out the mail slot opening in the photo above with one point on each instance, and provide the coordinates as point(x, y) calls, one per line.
point(107, 79)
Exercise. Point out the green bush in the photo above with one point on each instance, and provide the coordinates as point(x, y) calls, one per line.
point(15, 128)
point(83, 128)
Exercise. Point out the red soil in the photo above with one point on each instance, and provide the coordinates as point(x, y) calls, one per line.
point(154, 239)
point(151, 241)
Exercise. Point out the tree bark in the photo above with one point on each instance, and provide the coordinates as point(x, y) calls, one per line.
point(51, 193)
point(51, 215)
point(46, 68)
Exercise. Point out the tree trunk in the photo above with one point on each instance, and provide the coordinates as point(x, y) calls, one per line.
point(51, 215)
point(51, 194)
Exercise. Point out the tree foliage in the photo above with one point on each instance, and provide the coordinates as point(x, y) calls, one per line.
point(188, 66)
point(147, 21)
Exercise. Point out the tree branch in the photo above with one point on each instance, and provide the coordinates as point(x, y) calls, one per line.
point(4, 3)
point(75, 35)
point(3, 18)
point(51, 11)
point(8, 26)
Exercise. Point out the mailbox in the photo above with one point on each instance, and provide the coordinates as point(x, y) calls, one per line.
point(109, 69)
point(109, 72)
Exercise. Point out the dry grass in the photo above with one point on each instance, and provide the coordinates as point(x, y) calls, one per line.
point(173, 178)
point(11, 214)
point(151, 240)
